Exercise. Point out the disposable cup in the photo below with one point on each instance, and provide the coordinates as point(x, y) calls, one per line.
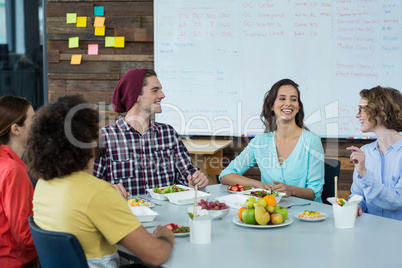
point(345, 216)
point(200, 230)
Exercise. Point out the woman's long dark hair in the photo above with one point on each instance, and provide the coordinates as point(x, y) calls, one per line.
point(268, 117)
point(13, 110)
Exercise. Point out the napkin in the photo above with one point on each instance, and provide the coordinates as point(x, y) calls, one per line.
point(234, 200)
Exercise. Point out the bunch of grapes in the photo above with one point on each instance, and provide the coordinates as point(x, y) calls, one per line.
point(212, 205)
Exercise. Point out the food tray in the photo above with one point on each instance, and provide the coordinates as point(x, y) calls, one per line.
point(144, 214)
point(185, 198)
point(163, 196)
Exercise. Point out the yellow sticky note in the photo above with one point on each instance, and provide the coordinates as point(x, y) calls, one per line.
point(100, 31)
point(82, 22)
point(76, 59)
point(119, 41)
point(99, 21)
point(71, 18)
point(73, 42)
point(109, 41)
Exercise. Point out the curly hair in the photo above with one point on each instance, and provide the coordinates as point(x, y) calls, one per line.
point(13, 110)
point(62, 138)
point(268, 117)
point(386, 104)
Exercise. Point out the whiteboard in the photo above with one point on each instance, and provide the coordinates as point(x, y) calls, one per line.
point(217, 59)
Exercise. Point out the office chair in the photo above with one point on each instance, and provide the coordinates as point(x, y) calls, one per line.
point(56, 249)
point(332, 168)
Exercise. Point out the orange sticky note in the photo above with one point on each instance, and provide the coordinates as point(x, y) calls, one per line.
point(76, 59)
point(99, 21)
point(119, 41)
point(82, 22)
point(100, 31)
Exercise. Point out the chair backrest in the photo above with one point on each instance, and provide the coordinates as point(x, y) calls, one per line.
point(56, 249)
point(332, 168)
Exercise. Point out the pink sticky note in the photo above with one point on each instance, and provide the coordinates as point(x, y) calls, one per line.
point(93, 49)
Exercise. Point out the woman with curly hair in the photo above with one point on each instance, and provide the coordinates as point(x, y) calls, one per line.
point(378, 165)
point(61, 152)
point(17, 248)
point(290, 158)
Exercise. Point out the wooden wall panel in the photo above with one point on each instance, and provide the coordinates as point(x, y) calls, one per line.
point(97, 75)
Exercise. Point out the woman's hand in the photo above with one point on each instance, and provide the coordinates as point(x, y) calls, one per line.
point(198, 178)
point(358, 158)
point(283, 188)
point(359, 211)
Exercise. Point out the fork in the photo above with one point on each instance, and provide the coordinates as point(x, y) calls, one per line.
point(298, 205)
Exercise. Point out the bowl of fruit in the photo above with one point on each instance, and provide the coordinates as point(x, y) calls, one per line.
point(217, 210)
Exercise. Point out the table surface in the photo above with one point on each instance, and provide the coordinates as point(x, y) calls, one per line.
point(205, 146)
point(373, 242)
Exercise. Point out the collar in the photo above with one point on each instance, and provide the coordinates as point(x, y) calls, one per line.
point(123, 125)
point(6, 151)
point(396, 146)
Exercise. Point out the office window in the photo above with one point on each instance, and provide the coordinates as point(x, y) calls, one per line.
point(3, 29)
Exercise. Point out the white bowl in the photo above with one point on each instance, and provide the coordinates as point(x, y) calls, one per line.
point(218, 214)
point(144, 214)
point(277, 198)
point(163, 196)
point(185, 198)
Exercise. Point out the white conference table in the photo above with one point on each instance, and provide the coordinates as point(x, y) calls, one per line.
point(373, 242)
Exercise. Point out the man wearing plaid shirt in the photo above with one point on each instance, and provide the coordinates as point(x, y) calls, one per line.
point(140, 153)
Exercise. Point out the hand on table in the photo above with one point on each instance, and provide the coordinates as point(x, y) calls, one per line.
point(282, 187)
point(121, 190)
point(264, 185)
point(162, 231)
point(198, 178)
point(359, 211)
point(358, 157)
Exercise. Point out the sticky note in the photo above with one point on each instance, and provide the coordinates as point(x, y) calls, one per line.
point(100, 31)
point(71, 18)
point(99, 10)
point(82, 22)
point(76, 59)
point(119, 41)
point(93, 49)
point(99, 21)
point(109, 41)
point(73, 42)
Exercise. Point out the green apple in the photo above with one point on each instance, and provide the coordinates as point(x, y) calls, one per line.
point(283, 210)
point(248, 216)
point(261, 201)
point(250, 202)
point(276, 218)
point(270, 209)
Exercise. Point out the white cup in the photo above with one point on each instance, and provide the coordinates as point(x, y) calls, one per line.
point(200, 230)
point(345, 216)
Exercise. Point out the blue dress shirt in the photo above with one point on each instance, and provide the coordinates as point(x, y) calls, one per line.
point(381, 185)
point(303, 168)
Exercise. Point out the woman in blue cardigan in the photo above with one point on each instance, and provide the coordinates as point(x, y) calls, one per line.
point(290, 158)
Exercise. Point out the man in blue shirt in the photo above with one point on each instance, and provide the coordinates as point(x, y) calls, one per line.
point(378, 165)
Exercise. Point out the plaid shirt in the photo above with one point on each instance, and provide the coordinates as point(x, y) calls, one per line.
point(157, 158)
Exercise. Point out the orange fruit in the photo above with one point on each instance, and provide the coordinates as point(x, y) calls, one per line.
point(240, 212)
point(270, 199)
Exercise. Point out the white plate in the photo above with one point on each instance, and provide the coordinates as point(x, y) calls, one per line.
point(238, 221)
point(319, 219)
point(235, 192)
point(181, 234)
point(151, 205)
point(277, 198)
point(164, 196)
